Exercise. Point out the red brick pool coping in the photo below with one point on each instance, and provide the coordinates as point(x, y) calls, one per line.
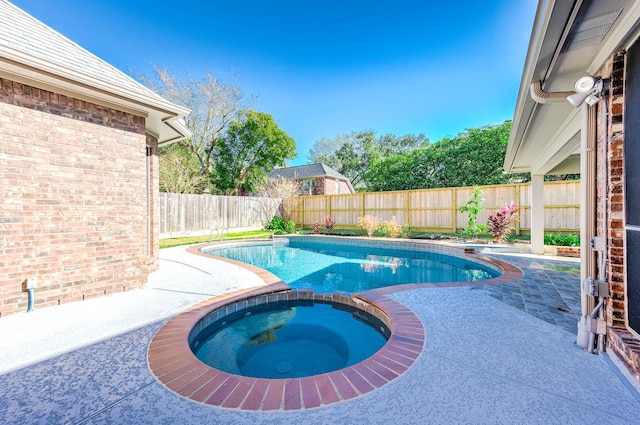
point(172, 362)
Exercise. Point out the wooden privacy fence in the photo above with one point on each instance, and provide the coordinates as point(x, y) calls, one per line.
point(188, 215)
point(437, 210)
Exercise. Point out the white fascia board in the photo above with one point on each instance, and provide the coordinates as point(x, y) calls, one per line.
point(518, 134)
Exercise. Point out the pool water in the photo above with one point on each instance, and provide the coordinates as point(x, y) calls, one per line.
point(330, 267)
point(290, 340)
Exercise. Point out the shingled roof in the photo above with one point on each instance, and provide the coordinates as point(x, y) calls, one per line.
point(35, 54)
point(306, 172)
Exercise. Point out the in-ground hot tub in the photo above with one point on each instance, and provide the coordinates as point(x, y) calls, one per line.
point(173, 362)
point(291, 338)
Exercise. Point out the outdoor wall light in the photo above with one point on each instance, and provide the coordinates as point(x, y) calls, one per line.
point(587, 89)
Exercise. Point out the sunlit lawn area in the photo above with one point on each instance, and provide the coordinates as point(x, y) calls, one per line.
point(168, 243)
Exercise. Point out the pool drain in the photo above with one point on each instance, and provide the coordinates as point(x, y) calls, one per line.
point(283, 367)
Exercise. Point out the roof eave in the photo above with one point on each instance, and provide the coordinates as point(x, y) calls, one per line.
point(40, 73)
point(524, 104)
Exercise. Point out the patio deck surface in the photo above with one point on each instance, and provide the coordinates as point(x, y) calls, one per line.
point(493, 354)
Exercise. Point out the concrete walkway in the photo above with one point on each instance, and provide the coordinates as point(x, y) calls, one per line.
point(494, 355)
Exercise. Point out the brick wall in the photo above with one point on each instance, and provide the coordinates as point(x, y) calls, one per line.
point(153, 168)
point(622, 342)
point(344, 188)
point(73, 210)
point(616, 315)
point(330, 187)
point(320, 189)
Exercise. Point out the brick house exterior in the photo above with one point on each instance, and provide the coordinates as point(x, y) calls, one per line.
point(598, 135)
point(78, 166)
point(315, 179)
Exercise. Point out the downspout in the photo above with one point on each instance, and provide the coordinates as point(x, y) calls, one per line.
point(588, 196)
point(604, 258)
point(541, 96)
point(148, 186)
point(600, 288)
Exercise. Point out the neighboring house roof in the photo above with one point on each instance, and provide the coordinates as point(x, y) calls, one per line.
point(307, 172)
point(32, 53)
point(569, 40)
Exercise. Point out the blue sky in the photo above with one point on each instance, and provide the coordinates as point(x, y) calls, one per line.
point(323, 68)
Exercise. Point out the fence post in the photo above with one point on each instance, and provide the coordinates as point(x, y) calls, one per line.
point(363, 201)
point(304, 198)
point(454, 210)
point(408, 208)
point(517, 201)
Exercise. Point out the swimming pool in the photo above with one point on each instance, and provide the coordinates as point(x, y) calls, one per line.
point(354, 266)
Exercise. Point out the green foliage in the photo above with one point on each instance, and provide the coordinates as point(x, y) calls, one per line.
point(562, 239)
point(179, 171)
point(473, 208)
point(253, 145)
point(354, 154)
point(279, 225)
point(470, 159)
point(391, 229)
point(188, 240)
point(276, 223)
point(289, 226)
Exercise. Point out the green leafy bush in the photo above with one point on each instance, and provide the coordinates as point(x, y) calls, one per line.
point(390, 229)
point(289, 227)
point(562, 239)
point(474, 208)
point(278, 225)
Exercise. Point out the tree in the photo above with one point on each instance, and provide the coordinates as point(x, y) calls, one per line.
point(354, 154)
point(472, 158)
point(414, 170)
point(273, 192)
point(252, 146)
point(179, 171)
point(213, 103)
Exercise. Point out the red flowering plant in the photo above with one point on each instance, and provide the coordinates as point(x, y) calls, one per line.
point(329, 223)
point(503, 222)
point(316, 227)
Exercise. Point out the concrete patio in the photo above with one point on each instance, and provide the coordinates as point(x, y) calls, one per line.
point(495, 354)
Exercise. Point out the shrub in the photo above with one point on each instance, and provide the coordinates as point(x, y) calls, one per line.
point(278, 225)
point(405, 231)
point(390, 229)
point(369, 224)
point(329, 223)
point(473, 207)
point(503, 222)
point(562, 240)
point(316, 227)
point(290, 227)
